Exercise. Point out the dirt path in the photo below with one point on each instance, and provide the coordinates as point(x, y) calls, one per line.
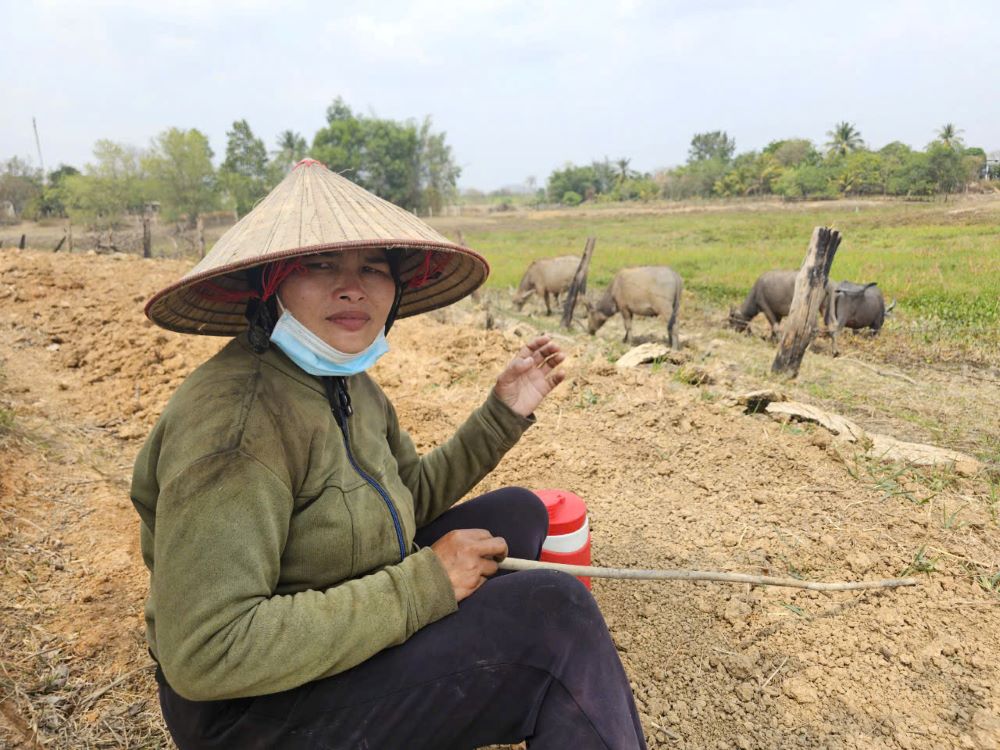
point(672, 478)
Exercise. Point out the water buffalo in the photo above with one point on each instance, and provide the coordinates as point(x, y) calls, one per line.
point(546, 276)
point(649, 290)
point(857, 306)
point(771, 294)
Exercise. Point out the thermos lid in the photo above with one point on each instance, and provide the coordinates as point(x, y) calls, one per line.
point(567, 512)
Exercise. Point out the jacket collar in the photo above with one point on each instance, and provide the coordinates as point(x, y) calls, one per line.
point(277, 359)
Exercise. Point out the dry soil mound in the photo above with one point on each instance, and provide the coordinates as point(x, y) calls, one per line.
point(671, 478)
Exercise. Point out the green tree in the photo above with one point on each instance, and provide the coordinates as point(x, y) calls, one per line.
point(946, 168)
point(749, 174)
point(292, 147)
point(589, 181)
point(179, 165)
point(698, 179)
point(793, 151)
point(714, 145)
point(974, 164)
point(605, 177)
point(56, 176)
point(52, 199)
point(437, 171)
point(404, 163)
point(20, 183)
point(806, 181)
point(624, 173)
point(579, 180)
point(340, 145)
point(636, 188)
point(390, 159)
point(844, 138)
point(861, 173)
point(244, 173)
point(109, 188)
point(909, 171)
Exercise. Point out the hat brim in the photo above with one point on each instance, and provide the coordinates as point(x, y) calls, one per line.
point(452, 272)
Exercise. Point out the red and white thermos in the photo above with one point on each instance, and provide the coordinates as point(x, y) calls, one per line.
point(568, 541)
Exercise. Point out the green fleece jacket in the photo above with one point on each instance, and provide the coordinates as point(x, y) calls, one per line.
point(272, 561)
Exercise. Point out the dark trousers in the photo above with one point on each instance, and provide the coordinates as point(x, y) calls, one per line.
point(528, 656)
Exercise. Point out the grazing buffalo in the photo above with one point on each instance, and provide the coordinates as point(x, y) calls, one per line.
point(771, 294)
point(547, 276)
point(649, 290)
point(857, 306)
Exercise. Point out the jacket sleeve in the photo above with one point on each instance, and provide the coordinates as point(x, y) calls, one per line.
point(443, 476)
point(221, 526)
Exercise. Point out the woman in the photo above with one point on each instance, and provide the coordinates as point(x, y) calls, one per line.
point(310, 584)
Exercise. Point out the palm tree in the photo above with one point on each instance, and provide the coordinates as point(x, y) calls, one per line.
point(948, 135)
point(844, 138)
point(291, 145)
point(623, 171)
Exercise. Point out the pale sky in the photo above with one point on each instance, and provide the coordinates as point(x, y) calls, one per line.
point(519, 87)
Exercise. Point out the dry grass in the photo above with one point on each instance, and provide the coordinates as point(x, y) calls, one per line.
point(57, 690)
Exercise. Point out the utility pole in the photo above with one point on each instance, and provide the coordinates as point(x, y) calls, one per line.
point(38, 145)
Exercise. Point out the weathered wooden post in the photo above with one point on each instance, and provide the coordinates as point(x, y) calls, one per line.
point(24, 240)
point(579, 285)
point(147, 231)
point(810, 288)
point(199, 228)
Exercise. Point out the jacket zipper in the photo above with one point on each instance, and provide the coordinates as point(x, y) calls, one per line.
point(342, 410)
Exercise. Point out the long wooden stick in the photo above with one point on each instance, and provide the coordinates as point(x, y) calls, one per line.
point(513, 563)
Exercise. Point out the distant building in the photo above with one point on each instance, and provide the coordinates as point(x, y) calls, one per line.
point(992, 169)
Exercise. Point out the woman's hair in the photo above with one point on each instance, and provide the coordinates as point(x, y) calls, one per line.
point(261, 313)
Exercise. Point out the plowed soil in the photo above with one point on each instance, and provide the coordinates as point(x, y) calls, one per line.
point(673, 477)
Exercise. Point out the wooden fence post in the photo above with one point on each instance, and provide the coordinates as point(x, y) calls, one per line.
point(579, 285)
point(199, 228)
point(810, 288)
point(147, 231)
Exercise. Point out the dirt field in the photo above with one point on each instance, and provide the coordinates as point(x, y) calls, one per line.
point(673, 476)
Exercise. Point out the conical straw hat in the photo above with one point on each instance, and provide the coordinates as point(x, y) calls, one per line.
point(314, 210)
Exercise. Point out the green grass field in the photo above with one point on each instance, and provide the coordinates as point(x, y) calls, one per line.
point(940, 261)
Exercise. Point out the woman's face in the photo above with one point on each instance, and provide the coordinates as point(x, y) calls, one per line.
point(343, 297)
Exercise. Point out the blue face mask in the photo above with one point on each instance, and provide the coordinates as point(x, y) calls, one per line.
point(317, 357)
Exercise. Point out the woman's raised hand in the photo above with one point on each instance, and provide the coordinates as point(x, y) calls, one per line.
point(469, 556)
point(531, 375)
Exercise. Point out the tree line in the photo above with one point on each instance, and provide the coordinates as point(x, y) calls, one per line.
point(405, 162)
point(791, 168)
point(411, 165)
